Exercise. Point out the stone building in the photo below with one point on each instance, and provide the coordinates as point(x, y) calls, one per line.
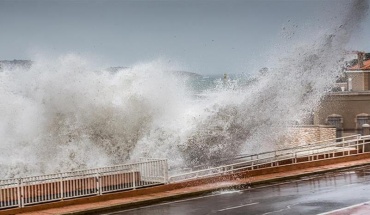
point(348, 108)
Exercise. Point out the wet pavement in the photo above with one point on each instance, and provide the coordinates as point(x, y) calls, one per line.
point(307, 195)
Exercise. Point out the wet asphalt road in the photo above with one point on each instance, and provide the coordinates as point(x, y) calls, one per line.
point(308, 195)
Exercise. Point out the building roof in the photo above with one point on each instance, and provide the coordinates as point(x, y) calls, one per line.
point(365, 67)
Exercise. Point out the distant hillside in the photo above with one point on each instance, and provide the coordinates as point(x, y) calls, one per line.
point(187, 74)
point(15, 63)
point(179, 73)
point(10, 64)
point(116, 68)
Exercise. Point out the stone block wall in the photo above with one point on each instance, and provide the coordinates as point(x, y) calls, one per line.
point(301, 135)
point(327, 132)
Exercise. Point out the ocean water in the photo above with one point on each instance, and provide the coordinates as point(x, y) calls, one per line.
point(65, 114)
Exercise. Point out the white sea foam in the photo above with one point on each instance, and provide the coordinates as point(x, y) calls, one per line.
point(64, 114)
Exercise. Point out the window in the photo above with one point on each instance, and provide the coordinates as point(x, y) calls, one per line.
point(361, 119)
point(335, 120)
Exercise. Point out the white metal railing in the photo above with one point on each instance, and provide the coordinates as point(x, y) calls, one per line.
point(53, 187)
point(327, 150)
point(20, 192)
point(278, 152)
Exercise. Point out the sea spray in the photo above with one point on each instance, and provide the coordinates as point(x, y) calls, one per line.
point(64, 114)
point(253, 118)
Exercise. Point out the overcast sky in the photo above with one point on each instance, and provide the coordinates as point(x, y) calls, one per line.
point(208, 37)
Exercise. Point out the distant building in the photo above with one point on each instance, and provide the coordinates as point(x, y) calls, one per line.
point(348, 108)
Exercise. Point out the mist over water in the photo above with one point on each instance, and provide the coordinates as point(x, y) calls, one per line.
point(64, 114)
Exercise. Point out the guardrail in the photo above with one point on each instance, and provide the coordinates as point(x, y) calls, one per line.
point(351, 145)
point(55, 187)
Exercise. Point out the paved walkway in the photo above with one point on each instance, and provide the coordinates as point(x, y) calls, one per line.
point(183, 192)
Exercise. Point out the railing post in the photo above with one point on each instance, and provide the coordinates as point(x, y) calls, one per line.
point(20, 193)
point(358, 146)
point(343, 146)
point(295, 157)
point(98, 184)
point(363, 146)
point(165, 171)
point(133, 180)
point(61, 187)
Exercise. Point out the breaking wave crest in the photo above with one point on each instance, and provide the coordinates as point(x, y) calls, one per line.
point(63, 114)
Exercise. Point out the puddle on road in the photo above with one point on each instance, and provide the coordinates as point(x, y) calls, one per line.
point(227, 191)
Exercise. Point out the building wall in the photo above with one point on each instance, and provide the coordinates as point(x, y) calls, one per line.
point(357, 80)
point(366, 80)
point(346, 104)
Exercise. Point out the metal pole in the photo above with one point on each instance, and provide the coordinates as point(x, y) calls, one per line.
point(165, 171)
point(61, 187)
point(133, 180)
point(295, 157)
point(20, 193)
point(98, 184)
point(358, 146)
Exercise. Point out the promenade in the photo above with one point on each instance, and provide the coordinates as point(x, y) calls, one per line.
point(168, 192)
